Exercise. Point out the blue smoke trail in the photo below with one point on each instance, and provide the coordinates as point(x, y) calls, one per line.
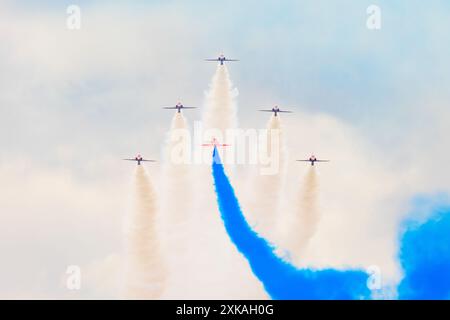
point(425, 258)
point(280, 279)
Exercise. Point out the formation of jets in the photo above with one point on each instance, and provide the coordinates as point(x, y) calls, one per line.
point(214, 142)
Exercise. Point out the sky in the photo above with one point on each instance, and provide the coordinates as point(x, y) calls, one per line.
point(73, 103)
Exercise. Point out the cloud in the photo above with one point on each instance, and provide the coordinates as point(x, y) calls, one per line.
point(51, 221)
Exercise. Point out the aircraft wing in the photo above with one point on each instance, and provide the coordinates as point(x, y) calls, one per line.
point(148, 160)
point(285, 111)
point(231, 59)
point(266, 110)
point(130, 159)
point(322, 160)
point(169, 107)
point(212, 59)
point(304, 160)
point(189, 108)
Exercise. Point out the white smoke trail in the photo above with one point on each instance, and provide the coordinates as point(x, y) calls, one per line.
point(145, 272)
point(220, 111)
point(267, 188)
point(305, 218)
point(177, 207)
point(178, 182)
